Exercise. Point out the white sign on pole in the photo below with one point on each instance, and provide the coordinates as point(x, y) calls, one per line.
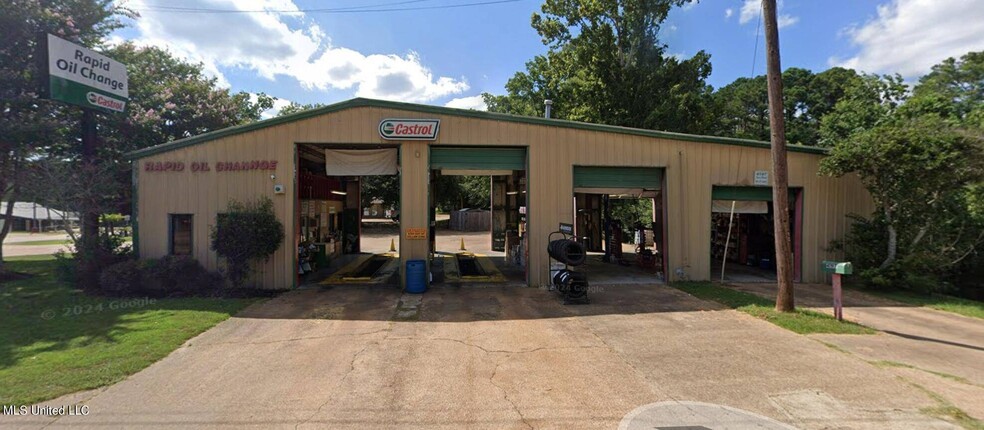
point(762, 177)
point(83, 77)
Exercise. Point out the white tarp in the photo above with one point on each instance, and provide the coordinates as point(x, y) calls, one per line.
point(360, 162)
point(741, 207)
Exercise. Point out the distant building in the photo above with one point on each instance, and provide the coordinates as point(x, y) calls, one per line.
point(30, 216)
point(378, 209)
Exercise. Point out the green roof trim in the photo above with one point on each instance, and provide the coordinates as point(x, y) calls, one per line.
point(467, 113)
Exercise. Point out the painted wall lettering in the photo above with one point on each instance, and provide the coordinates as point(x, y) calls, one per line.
point(232, 166)
point(164, 166)
point(205, 166)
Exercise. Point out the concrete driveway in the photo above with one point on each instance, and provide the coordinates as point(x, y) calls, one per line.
point(496, 358)
point(940, 351)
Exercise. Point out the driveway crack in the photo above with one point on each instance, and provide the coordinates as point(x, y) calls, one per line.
point(505, 394)
point(355, 357)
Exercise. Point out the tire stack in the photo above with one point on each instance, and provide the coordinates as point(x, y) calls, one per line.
point(571, 285)
point(567, 251)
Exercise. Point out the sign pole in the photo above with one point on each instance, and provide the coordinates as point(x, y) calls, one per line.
point(90, 217)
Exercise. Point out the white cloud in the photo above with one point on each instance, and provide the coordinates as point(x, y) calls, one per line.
point(278, 104)
point(910, 36)
point(786, 20)
point(752, 9)
point(688, 6)
point(728, 12)
point(749, 10)
point(267, 44)
point(471, 102)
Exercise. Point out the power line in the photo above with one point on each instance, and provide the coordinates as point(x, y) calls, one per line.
point(758, 28)
point(351, 9)
point(188, 9)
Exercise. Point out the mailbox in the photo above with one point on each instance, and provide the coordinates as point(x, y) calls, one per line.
point(840, 268)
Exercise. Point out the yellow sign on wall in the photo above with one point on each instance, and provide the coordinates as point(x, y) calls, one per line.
point(416, 234)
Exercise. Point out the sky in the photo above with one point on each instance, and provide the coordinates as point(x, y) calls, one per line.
point(448, 52)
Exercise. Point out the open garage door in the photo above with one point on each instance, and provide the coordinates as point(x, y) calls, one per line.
point(621, 220)
point(743, 234)
point(637, 181)
point(473, 160)
point(482, 238)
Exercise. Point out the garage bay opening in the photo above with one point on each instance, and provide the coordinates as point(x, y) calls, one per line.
point(620, 219)
point(348, 215)
point(478, 215)
point(743, 235)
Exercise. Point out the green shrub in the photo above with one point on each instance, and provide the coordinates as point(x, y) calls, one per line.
point(168, 276)
point(247, 233)
point(122, 278)
point(83, 267)
point(183, 274)
point(971, 281)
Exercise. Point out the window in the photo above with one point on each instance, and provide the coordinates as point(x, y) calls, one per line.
point(180, 241)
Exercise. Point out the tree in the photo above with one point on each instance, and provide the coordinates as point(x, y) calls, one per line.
point(632, 212)
point(459, 192)
point(873, 100)
point(294, 107)
point(382, 188)
point(920, 158)
point(26, 122)
point(742, 109)
point(958, 82)
point(605, 65)
point(58, 183)
point(171, 99)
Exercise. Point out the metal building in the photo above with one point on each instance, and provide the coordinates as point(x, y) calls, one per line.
point(545, 171)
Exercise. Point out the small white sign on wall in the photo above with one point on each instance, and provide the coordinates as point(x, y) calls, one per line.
point(762, 177)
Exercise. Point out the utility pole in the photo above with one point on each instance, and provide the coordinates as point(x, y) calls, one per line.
point(780, 174)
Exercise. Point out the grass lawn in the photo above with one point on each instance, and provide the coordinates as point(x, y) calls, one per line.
point(965, 307)
point(800, 321)
point(41, 242)
point(55, 340)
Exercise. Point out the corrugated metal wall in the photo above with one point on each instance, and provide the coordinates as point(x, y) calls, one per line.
point(691, 171)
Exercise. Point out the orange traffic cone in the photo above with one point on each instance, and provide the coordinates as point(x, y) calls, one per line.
point(462, 244)
point(392, 245)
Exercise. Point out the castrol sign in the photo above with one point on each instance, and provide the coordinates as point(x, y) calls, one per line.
point(83, 77)
point(409, 129)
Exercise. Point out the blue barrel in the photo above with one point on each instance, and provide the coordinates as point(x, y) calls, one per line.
point(416, 276)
